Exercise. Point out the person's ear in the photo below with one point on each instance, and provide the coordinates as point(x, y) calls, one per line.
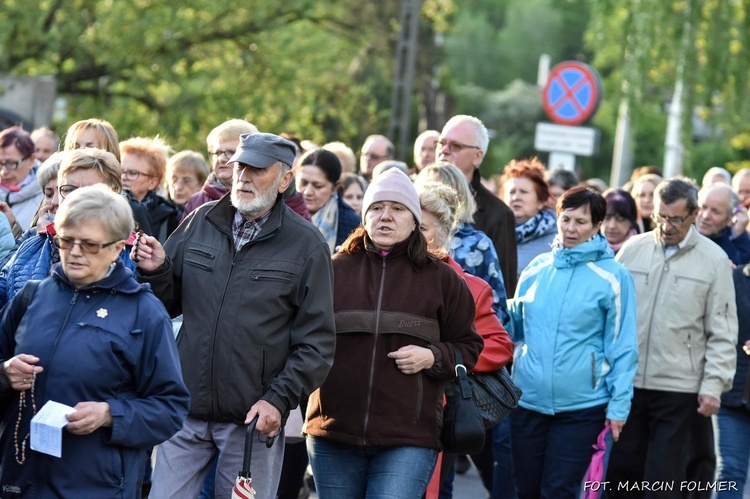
point(286, 179)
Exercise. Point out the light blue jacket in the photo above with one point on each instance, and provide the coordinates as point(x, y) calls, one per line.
point(574, 323)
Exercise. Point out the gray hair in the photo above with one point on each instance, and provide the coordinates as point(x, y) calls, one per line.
point(386, 165)
point(734, 199)
point(712, 172)
point(739, 176)
point(49, 169)
point(449, 174)
point(561, 177)
point(97, 202)
point(480, 131)
point(673, 189)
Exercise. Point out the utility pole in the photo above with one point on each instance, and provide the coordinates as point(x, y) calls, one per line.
point(403, 77)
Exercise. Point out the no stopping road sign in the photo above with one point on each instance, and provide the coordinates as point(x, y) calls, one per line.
point(572, 93)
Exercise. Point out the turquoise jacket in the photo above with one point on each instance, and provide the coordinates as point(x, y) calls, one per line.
point(574, 323)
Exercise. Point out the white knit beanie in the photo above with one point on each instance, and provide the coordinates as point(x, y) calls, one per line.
point(393, 185)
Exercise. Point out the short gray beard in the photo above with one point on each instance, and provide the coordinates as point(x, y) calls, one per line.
point(263, 201)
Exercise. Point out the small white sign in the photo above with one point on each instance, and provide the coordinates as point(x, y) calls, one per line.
point(46, 428)
point(578, 140)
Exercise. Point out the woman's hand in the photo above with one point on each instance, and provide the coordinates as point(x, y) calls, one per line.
point(89, 416)
point(19, 371)
point(148, 253)
point(616, 428)
point(411, 359)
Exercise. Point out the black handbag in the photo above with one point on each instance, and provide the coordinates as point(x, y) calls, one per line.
point(495, 394)
point(463, 427)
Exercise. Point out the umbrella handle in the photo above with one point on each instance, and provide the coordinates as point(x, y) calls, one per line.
point(245, 473)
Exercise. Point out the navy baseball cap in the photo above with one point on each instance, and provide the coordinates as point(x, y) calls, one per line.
point(262, 150)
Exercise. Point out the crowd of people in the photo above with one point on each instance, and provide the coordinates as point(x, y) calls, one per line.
point(168, 301)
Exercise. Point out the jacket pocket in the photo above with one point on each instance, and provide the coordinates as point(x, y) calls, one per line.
point(200, 257)
point(420, 397)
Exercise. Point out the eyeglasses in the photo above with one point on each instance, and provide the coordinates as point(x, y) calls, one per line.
point(64, 190)
point(673, 221)
point(12, 165)
point(454, 146)
point(67, 243)
point(228, 153)
point(133, 174)
point(376, 157)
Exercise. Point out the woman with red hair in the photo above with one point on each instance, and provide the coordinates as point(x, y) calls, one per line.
point(526, 192)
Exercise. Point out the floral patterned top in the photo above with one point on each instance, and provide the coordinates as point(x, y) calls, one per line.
point(472, 249)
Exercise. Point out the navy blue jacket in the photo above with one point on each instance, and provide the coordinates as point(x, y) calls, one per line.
point(740, 384)
point(348, 221)
point(737, 249)
point(110, 342)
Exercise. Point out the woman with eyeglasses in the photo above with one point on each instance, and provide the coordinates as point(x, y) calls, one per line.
point(93, 339)
point(37, 254)
point(186, 173)
point(20, 194)
point(144, 163)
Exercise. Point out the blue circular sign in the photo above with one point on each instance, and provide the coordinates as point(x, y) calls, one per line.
point(572, 94)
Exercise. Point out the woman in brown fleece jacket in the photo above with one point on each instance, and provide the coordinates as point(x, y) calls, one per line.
point(374, 426)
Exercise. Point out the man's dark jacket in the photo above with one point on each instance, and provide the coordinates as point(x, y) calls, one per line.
point(258, 323)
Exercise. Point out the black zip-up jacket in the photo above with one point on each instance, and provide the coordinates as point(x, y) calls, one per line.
point(258, 323)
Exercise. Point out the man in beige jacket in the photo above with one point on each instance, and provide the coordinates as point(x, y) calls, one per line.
point(687, 330)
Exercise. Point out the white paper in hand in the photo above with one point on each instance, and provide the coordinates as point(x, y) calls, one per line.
point(46, 428)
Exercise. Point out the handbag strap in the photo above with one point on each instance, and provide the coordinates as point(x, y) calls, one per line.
point(462, 379)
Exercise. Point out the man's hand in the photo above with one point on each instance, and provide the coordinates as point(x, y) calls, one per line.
point(708, 405)
point(411, 359)
point(148, 253)
point(89, 416)
point(269, 418)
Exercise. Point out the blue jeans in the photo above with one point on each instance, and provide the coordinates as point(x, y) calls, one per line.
point(552, 453)
point(734, 447)
point(503, 485)
point(351, 472)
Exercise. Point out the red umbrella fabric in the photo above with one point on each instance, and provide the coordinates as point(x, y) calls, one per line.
point(243, 486)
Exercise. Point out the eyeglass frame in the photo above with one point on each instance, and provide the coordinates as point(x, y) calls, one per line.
point(675, 222)
point(62, 188)
point(454, 146)
point(87, 247)
point(228, 153)
point(6, 164)
point(134, 174)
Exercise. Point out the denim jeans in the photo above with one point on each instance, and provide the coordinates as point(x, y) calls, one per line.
point(503, 484)
point(351, 472)
point(734, 448)
point(551, 453)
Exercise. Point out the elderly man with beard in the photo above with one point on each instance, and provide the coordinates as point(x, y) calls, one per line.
point(255, 284)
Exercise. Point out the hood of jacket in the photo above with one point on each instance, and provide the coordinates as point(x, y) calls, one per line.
point(594, 249)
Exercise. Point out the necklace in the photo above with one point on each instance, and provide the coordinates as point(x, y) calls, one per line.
point(21, 448)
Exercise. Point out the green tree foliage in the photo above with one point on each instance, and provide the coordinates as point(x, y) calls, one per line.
point(642, 42)
point(318, 69)
point(492, 52)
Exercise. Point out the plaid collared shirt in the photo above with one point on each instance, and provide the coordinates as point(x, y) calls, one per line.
point(246, 230)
